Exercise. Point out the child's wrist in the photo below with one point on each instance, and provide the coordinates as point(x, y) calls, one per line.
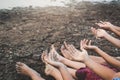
point(95, 48)
point(105, 35)
point(86, 60)
point(112, 27)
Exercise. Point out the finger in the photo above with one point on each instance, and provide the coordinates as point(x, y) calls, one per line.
point(62, 47)
point(64, 53)
point(93, 30)
point(83, 42)
point(70, 55)
point(86, 41)
point(19, 63)
point(18, 69)
point(102, 22)
point(65, 44)
point(72, 50)
point(89, 42)
point(73, 47)
point(53, 47)
point(42, 56)
point(46, 57)
point(96, 23)
point(18, 72)
point(81, 45)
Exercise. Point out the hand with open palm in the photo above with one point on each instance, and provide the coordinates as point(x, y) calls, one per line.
point(87, 44)
point(105, 25)
point(76, 54)
point(98, 32)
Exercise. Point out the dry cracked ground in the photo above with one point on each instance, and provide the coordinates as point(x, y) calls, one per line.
point(26, 32)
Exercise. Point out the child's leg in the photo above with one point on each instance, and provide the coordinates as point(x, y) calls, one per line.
point(24, 69)
point(73, 64)
point(72, 72)
point(54, 72)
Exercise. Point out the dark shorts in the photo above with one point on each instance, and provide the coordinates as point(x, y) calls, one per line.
point(87, 74)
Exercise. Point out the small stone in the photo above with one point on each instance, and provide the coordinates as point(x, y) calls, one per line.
point(36, 56)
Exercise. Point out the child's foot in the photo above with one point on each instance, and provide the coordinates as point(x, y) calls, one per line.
point(53, 50)
point(25, 70)
point(52, 71)
point(48, 69)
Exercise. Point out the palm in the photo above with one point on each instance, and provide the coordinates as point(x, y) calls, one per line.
point(105, 25)
point(100, 33)
point(79, 56)
point(86, 44)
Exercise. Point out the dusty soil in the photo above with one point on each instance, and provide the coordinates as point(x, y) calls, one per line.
point(26, 32)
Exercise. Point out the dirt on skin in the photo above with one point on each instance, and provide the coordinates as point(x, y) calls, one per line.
point(26, 32)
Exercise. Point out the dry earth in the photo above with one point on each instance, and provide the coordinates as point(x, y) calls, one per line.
point(26, 32)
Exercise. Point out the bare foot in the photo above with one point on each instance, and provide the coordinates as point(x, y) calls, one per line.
point(42, 57)
point(52, 71)
point(53, 51)
point(49, 69)
point(25, 70)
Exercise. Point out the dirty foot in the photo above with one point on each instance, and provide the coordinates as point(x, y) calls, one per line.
point(25, 70)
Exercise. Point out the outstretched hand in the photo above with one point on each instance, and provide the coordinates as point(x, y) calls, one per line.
point(86, 44)
point(105, 25)
point(76, 54)
point(98, 32)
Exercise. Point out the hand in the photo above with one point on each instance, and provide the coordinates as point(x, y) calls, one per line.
point(65, 52)
point(86, 44)
point(98, 32)
point(105, 25)
point(75, 54)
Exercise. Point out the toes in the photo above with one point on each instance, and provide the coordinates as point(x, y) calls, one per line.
point(52, 46)
point(18, 72)
point(19, 63)
point(18, 69)
point(19, 66)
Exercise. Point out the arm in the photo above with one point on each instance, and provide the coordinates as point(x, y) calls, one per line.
point(102, 33)
point(116, 30)
point(64, 72)
point(108, 58)
point(115, 27)
point(112, 39)
point(109, 26)
point(104, 72)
